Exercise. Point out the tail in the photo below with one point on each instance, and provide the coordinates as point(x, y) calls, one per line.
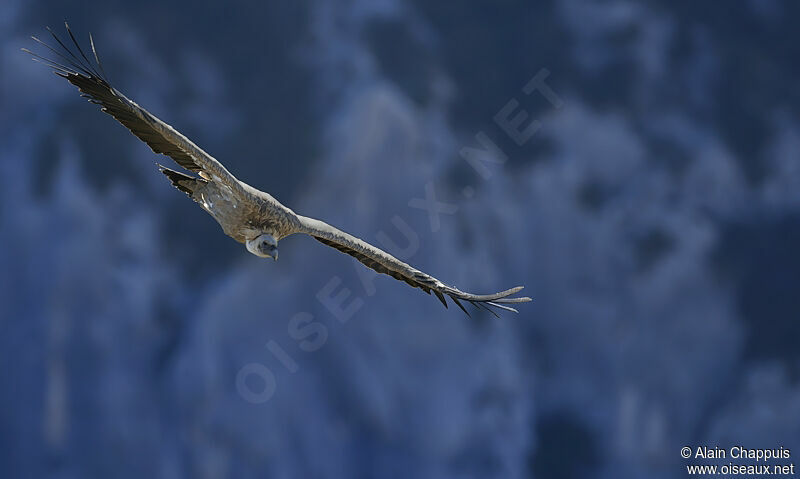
point(183, 182)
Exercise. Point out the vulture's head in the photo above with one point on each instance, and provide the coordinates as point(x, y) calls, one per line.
point(264, 246)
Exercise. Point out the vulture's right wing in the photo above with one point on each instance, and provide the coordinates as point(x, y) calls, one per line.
point(159, 136)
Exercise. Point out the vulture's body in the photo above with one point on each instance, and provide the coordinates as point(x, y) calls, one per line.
point(246, 214)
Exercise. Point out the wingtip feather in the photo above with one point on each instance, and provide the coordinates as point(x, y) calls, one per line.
point(458, 303)
point(504, 308)
point(522, 299)
point(440, 296)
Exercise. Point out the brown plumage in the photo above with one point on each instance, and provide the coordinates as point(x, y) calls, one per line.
point(246, 214)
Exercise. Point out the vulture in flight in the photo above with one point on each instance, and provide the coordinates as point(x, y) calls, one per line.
point(246, 214)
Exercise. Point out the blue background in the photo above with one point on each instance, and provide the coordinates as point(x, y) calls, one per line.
point(654, 217)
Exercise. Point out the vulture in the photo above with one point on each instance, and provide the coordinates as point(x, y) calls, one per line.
point(246, 214)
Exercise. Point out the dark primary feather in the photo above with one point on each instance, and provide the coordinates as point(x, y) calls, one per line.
point(160, 137)
point(183, 182)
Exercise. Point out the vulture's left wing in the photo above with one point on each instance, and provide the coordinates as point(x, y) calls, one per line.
point(90, 79)
point(383, 262)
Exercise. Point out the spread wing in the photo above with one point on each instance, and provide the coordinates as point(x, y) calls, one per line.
point(91, 80)
point(383, 262)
